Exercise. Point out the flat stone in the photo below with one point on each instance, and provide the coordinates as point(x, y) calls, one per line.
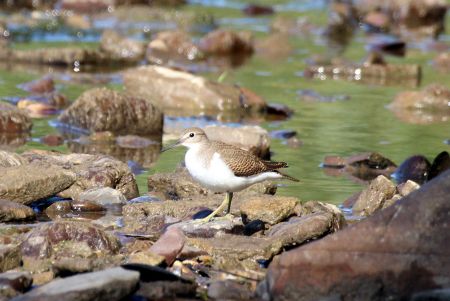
point(10, 257)
point(103, 196)
point(169, 245)
point(393, 254)
point(111, 284)
point(183, 94)
point(91, 171)
point(102, 109)
point(146, 257)
point(269, 209)
point(11, 211)
point(27, 183)
point(373, 197)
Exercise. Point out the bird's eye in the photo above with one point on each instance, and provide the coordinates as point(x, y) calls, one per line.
point(191, 135)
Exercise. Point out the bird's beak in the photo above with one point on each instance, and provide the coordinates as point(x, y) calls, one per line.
point(166, 148)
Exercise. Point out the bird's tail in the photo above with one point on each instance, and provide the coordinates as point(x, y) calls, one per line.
point(285, 176)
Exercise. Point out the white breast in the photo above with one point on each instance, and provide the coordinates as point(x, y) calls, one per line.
point(217, 176)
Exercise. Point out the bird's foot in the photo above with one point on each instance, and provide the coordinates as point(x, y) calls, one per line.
point(209, 218)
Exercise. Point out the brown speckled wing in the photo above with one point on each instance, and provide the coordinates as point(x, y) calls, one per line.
point(243, 163)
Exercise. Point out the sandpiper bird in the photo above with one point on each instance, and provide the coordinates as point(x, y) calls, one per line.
point(221, 167)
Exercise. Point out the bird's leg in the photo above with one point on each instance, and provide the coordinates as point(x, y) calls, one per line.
point(230, 197)
point(226, 202)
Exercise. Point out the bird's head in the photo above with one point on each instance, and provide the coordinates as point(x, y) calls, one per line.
point(189, 138)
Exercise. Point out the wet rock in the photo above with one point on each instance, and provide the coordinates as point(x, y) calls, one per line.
point(374, 196)
point(224, 42)
point(365, 166)
point(228, 290)
point(269, 209)
point(14, 283)
point(293, 26)
point(13, 120)
point(74, 57)
point(251, 138)
point(91, 171)
point(101, 109)
point(169, 245)
point(276, 46)
point(169, 45)
point(414, 168)
point(253, 227)
point(283, 134)
point(104, 197)
point(180, 185)
point(294, 142)
point(10, 257)
point(374, 259)
point(120, 47)
point(180, 93)
point(192, 228)
point(66, 239)
point(379, 74)
point(440, 164)
point(388, 45)
point(27, 183)
point(432, 97)
point(144, 199)
point(9, 159)
point(111, 284)
point(87, 6)
point(86, 206)
point(311, 207)
point(257, 10)
point(39, 86)
point(11, 211)
point(36, 109)
point(58, 208)
point(52, 140)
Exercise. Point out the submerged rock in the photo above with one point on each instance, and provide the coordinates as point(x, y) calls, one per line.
point(101, 109)
point(226, 42)
point(13, 120)
point(121, 48)
point(112, 284)
point(365, 166)
point(181, 94)
point(39, 86)
point(375, 258)
point(91, 171)
point(425, 106)
point(12, 211)
point(30, 182)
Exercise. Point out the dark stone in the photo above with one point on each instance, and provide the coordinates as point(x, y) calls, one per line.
point(39, 86)
point(14, 283)
point(257, 10)
point(440, 164)
point(228, 290)
point(254, 227)
point(202, 214)
point(415, 168)
point(283, 134)
point(390, 255)
point(225, 42)
point(52, 140)
point(10, 257)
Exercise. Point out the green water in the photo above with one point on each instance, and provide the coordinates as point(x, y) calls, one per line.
point(360, 124)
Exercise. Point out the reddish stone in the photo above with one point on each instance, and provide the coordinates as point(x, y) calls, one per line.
point(169, 244)
point(390, 255)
